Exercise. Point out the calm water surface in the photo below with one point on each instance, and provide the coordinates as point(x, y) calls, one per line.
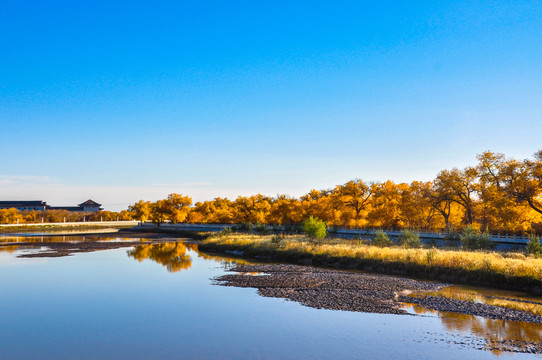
point(159, 302)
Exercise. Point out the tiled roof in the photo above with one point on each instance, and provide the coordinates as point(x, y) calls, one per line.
point(89, 203)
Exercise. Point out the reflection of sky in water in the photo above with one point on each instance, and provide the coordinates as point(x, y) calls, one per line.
point(107, 305)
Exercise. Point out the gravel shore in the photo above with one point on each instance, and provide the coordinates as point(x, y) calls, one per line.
point(328, 288)
point(357, 291)
point(372, 293)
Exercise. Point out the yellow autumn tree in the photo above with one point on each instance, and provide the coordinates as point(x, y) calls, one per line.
point(141, 210)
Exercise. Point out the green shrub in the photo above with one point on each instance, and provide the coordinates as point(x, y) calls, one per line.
point(410, 239)
point(381, 239)
point(261, 229)
point(292, 228)
point(450, 234)
point(244, 227)
point(314, 228)
point(473, 239)
point(533, 246)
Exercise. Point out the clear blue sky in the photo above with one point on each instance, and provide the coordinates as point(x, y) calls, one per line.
point(129, 100)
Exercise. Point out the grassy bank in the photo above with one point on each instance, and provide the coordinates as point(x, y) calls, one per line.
point(502, 270)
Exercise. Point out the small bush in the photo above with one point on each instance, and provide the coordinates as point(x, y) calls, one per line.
point(314, 228)
point(225, 231)
point(450, 234)
point(410, 239)
point(533, 246)
point(473, 239)
point(382, 239)
point(292, 228)
point(244, 227)
point(261, 229)
point(430, 256)
point(277, 239)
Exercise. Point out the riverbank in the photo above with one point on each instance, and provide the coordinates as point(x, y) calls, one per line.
point(513, 271)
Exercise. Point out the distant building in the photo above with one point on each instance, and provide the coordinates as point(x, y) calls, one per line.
point(24, 205)
point(87, 206)
point(90, 206)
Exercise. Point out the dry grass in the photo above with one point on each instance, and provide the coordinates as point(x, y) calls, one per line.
point(511, 270)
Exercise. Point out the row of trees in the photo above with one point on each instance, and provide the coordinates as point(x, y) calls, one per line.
point(14, 216)
point(498, 194)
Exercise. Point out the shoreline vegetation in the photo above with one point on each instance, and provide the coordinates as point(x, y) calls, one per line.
point(512, 271)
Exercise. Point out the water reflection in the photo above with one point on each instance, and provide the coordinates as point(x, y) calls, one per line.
point(10, 248)
point(503, 298)
point(495, 332)
point(59, 238)
point(175, 255)
point(172, 255)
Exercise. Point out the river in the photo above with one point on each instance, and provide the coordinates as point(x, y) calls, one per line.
point(159, 301)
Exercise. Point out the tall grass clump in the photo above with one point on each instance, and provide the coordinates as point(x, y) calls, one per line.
point(410, 239)
point(472, 239)
point(314, 228)
point(533, 246)
point(277, 239)
point(382, 239)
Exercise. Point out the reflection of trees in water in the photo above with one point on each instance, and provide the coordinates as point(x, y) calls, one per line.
point(9, 248)
point(224, 260)
point(513, 301)
point(489, 329)
point(172, 255)
point(61, 238)
point(492, 329)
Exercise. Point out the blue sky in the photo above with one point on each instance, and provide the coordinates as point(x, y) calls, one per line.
point(129, 100)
